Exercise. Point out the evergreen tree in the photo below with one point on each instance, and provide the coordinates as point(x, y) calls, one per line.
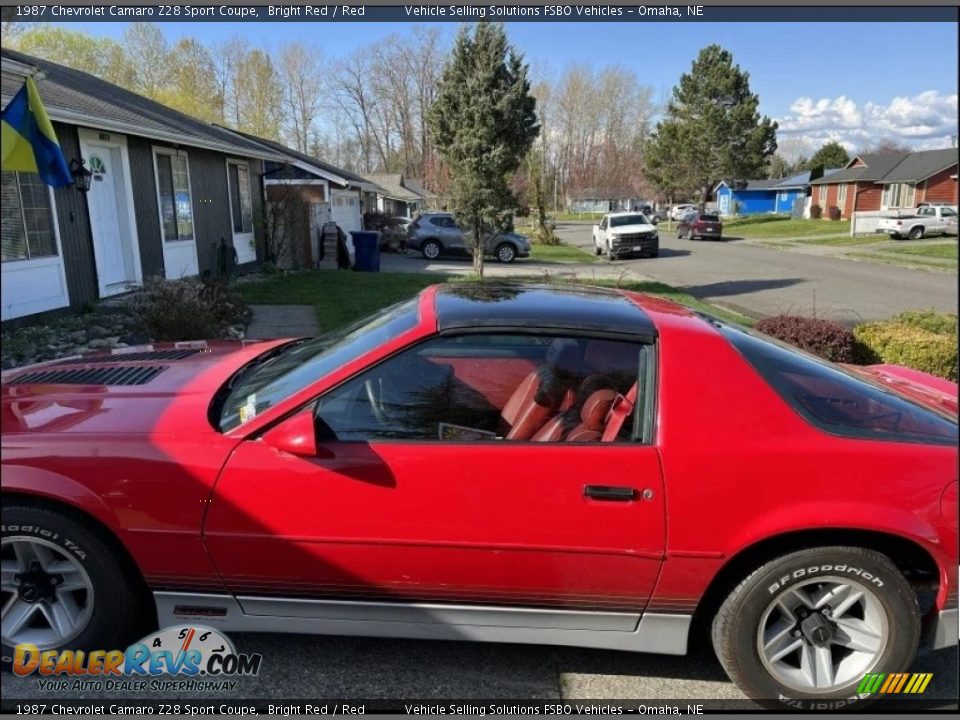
point(712, 130)
point(483, 122)
point(831, 155)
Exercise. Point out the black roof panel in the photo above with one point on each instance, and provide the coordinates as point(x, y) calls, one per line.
point(523, 305)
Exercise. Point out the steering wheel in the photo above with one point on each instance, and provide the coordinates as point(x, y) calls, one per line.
point(382, 393)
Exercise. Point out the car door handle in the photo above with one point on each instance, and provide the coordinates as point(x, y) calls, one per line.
point(609, 492)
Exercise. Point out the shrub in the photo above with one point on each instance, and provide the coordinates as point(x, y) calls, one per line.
point(834, 213)
point(188, 309)
point(930, 320)
point(820, 337)
point(816, 212)
point(914, 347)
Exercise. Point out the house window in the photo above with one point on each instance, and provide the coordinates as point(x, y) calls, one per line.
point(841, 195)
point(241, 204)
point(823, 194)
point(173, 192)
point(899, 195)
point(27, 227)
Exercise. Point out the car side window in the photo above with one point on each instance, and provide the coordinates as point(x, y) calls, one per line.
point(438, 221)
point(925, 211)
point(493, 387)
point(947, 212)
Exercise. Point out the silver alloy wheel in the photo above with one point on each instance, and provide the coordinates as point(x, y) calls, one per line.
point(47, 595)
point(822, 635)
point(506, 253)
point(431, 250)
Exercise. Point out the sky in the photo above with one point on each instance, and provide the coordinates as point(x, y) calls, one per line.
point(851, 82)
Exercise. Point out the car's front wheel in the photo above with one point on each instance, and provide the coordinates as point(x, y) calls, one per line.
point(804, 629)
point(431, 249)
point(62, 585)
point(506, 253)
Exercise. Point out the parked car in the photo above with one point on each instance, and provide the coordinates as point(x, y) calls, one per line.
point(624, 234)
point(950, 228)
point(507, 463)
point(654, 216)
point(916, 224)
point(698, 226)
point(678, 211)
point(437, 234)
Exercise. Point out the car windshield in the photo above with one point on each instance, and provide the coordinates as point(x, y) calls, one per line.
point(275, 376)
point(621, 220)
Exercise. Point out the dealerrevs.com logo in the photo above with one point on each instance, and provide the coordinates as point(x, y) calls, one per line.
point(187, 652)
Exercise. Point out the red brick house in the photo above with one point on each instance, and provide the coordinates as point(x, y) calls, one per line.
point(889, 182)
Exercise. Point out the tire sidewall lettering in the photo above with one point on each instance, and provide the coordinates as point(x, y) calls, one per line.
point(842, 569)
point(38, 531)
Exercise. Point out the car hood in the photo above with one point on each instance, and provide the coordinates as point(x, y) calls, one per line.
point(630, 229)
point(929, 390)
point(159, 388)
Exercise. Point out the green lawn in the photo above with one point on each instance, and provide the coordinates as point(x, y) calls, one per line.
point(782, 226)
point(947, 251)
point(840, 240)
point(561, 253)
point(340, 297)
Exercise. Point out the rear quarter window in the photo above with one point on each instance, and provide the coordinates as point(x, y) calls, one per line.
point(836, 401)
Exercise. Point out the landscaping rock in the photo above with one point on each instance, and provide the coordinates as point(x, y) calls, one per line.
point(97, 331)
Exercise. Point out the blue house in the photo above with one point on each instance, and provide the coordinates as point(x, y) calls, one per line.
point(764, 196)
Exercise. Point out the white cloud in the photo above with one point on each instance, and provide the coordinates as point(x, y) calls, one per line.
point(923, 121)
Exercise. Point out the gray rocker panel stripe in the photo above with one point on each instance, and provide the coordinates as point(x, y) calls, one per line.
point(651, 632)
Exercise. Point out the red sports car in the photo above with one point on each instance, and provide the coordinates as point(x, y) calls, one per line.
point(511, 463)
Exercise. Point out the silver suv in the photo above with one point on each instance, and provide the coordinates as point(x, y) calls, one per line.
point(436, 234)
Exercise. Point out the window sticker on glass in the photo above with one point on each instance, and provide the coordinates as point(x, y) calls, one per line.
point(248, 410)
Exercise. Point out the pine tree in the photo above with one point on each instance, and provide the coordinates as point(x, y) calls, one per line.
point(483, 123)
point(831, 155)
point(712, 130)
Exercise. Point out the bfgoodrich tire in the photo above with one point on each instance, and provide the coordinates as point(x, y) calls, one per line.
point(66, 588)
point(801, 631)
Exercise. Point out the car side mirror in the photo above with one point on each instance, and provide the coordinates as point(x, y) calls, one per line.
point(296, 435)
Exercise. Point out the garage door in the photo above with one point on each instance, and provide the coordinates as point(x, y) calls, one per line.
point(346, 209)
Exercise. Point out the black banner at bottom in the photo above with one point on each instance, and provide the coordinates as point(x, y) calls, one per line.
point(290, 708)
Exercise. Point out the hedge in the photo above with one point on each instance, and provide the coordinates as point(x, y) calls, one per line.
point(909, 345)
point(820, 337)
point(929, 320)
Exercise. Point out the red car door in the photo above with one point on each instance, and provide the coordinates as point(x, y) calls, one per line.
point(377, 515)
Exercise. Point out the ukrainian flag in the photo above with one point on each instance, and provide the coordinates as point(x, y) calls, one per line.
point(27, 140)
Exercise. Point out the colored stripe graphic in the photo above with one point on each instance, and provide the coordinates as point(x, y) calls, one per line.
point(895, 683)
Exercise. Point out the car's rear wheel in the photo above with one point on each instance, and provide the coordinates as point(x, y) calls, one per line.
point(916, 233)
point(62, 585)
point(431, 249)
point(506, 253)
point(805, 628)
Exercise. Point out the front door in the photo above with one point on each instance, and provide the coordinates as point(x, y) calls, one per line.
point(111, 221)
point(414, 496)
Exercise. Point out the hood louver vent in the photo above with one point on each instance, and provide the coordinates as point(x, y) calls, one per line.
point(137, 375)
point(133, 357)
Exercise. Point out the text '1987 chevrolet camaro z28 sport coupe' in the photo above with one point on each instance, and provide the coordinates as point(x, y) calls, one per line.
point(559, 465)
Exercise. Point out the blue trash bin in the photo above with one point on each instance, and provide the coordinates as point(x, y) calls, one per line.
point(366, 247)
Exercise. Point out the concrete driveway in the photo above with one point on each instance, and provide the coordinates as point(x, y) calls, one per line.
point(313, 668)
point(760, 281)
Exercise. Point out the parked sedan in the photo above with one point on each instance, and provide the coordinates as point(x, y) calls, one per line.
point(678, 211)
point(506, 463)
point(437, 234)
point(699, 226)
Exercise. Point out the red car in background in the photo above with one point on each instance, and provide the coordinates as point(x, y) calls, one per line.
point(700, 226)
point(510, 463)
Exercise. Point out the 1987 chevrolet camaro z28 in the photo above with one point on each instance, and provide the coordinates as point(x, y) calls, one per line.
point(512, 463)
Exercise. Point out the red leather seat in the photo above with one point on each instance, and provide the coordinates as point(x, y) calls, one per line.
point(544, 392)
point(557, 427)
point(593, 417)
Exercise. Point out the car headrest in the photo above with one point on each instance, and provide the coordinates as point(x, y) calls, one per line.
point(595, 410)
point(565, 357)
point(589, 386)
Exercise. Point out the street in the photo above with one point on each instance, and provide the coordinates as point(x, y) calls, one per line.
point(760, 281)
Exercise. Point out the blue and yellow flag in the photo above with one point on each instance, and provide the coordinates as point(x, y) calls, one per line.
point(27, 139)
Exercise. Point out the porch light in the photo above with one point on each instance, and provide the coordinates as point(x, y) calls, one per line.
point(81, 175)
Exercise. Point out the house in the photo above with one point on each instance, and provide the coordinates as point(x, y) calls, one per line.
point(778, 195)
point(872, 182)
point(395, 197)
point(169, 195)
point(431, 200)
point(602, 200)
point(304, 192)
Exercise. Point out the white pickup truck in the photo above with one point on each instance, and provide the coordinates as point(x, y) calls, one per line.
point(925, 220)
